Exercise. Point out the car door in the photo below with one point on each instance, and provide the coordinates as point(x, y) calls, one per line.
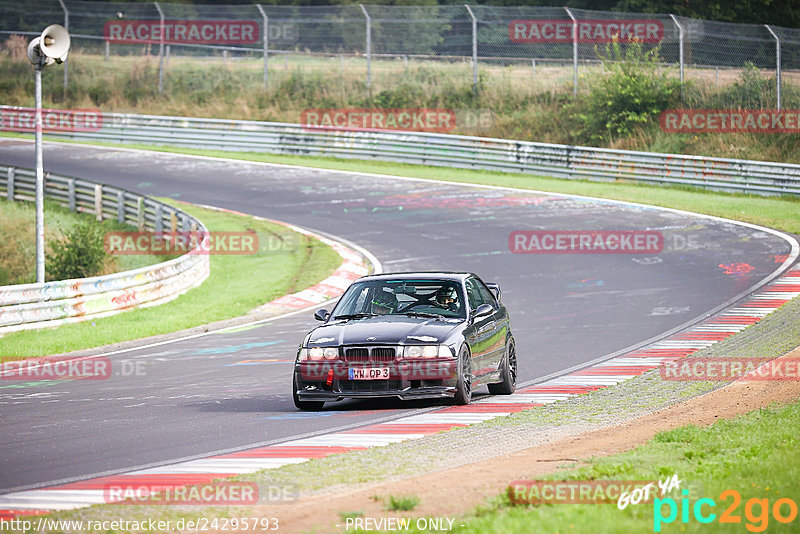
point(480, 332)
point(496, 349)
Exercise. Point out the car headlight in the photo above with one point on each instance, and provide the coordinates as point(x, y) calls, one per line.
point(319, 353)
point(427, 351)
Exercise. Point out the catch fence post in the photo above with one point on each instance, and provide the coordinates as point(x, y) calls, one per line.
point(574, 51)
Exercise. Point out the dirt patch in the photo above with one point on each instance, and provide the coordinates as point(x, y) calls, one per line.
point(454, 492)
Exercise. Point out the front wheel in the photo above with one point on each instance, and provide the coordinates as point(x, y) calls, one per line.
point(508, 372)
point(304, 405)
point(464, 384)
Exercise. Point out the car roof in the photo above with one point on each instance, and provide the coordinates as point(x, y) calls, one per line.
point(422, 275)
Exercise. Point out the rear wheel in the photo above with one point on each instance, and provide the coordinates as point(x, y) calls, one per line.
point(304, 405)
point(464, 385)
point(508, 372)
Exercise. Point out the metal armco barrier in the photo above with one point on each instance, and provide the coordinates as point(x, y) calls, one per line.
point(27, 306)
point(560, 161)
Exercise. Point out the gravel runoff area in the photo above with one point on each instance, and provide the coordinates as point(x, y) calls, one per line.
point(324, 484)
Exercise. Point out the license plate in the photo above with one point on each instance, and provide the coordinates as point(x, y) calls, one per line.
point(367, 373)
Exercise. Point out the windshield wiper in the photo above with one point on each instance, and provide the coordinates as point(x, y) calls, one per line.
point(423, 314)
point(355, 316)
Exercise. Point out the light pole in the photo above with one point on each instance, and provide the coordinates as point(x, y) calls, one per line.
point(51, 47)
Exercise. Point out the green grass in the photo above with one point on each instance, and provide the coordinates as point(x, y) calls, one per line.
point(510, 103)
point(237, 284)
point(18, 240)
point(747, 454)
point(344, 516)
point(401, 503)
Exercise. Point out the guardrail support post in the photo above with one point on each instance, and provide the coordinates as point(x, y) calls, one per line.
point(266, 43)
point(680, 48)
point(568, 161)
point(574, 52)
point(10, 185)
point(121, 207)
point(474, 48)
point(369, 46)
point(98, 202)
point(159, 226)
point(140, 214)
point(71, 194)
point(160, 49)
point(777, 62)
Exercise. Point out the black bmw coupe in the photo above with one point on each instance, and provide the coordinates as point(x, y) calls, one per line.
point(408, 335)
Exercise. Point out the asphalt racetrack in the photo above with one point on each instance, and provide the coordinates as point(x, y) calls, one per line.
point(232, 390)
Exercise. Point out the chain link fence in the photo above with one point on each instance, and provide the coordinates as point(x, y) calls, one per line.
point(526, 49)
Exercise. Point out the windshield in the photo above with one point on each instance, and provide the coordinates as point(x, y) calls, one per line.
point(424, 298)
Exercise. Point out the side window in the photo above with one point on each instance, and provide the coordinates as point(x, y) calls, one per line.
point(488, 296)
point(474, 294)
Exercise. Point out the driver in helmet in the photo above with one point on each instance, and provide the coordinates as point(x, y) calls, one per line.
point(447, 298)
point(384, 303)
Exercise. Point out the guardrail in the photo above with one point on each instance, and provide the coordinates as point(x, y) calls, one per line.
point(26, 306)
point(561, 161)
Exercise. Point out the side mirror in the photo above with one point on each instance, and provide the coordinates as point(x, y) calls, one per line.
point(483, 310)
point(321, 315)
point(494, 288)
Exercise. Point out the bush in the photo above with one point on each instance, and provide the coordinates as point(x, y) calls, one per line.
point(302, 86)
point(752, 90)
point(403, 96)
point(100, 94)
point(78, 254)
point(17, 247)
point(630, 95)
point(402, 504)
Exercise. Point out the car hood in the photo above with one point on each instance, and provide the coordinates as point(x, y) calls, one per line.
point(390, 329)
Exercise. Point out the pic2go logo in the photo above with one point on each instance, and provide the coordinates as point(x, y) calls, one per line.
point(756, 511)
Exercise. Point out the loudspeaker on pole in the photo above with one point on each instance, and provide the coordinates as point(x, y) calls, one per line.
point(52, 46)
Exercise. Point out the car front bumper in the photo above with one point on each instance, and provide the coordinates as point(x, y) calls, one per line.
point(435, 392)
point(331, 382)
